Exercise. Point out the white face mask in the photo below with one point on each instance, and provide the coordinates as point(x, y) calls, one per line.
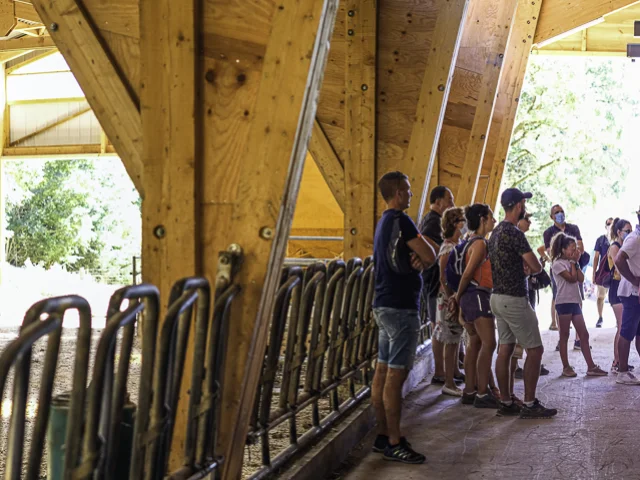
point(464, 230)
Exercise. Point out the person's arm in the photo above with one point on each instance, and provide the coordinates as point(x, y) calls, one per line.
point(622, 265)
point(431, 230)
point(613, 251)
point(423, 250)
point(532, 262)
point(542, 251)
point(443, 280)
point(477, 254)
point(579, 241)
point(433, 244)
point(573, 274)
point(596, 264)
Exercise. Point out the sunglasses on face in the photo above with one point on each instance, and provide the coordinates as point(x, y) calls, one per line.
point(558, 211)
point(626, 231)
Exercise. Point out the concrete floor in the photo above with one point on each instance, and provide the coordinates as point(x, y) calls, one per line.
point(594, 436)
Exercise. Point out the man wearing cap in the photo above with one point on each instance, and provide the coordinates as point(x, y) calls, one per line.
point(628, 264)
point(516, 320)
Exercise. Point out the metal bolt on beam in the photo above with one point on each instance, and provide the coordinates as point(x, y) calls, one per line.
point(354, 231)
point(350, 31)
point(364, 87)
point(266, 233)
point(159, 231)
point(53, 27)
point(351, 13)
point(441, 87)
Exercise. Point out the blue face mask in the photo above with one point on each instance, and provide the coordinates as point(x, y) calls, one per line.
point(464, 230)
point(624, 235)
point(559, 218)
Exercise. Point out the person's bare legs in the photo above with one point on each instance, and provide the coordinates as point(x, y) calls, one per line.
point(565, 322)
point(471, 360)
point(624, 346)
point(600, 304)
point(581, 329)
point(531, 372)
point(392, 399)
point(503, 370)
point(486, 331)
point(554, 318)
point(438, 357)
point(377, 393)
point(450, 362)
point(617, 311)
point(514, 367)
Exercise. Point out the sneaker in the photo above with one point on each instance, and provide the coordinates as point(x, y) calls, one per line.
point(454, 392)
point(627, 378)
point(537, 410)
point(596, 371)
point(558, 346)
point(468, 398)
point(614, 368)
point(543, 371)
point(569, 372)
point(599, 323)
point(519, 373)
point(553, 327)
point(459, 377)
point(488, 401)
point(437, 380)
point(403, 453)
point(576, 345)
point(382, 441)
point(512, 410)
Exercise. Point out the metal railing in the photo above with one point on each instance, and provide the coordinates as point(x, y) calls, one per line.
point(321, 346)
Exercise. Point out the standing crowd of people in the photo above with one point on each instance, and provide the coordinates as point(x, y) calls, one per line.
point(470, 276)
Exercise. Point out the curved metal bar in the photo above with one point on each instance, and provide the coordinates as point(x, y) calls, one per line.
point(18, 352)
point(57, 307)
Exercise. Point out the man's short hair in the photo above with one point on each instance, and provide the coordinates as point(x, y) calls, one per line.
point(556, 205)
point(389, 184)
point(437, 193)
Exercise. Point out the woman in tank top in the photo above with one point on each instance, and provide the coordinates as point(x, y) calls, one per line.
point(620, 228)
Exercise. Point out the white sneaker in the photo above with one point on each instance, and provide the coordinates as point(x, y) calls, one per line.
point(454, 392)
point(627, 378)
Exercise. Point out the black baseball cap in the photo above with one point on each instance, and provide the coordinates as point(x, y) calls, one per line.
point(511, 196)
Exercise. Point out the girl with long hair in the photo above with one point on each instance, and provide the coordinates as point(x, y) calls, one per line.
point(620, 228)
point(568, 277)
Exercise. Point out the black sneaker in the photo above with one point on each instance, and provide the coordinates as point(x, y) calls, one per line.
point(558, 346)
point(382, 442)
point(519, 373)
point(459, 377)
point(512, 410)
point(537, 410)
point(403, 453)
point(437, 380)
point(576, 345)
point(599, 323)
point(543, 371)
point(468, 398)
point(488, 401)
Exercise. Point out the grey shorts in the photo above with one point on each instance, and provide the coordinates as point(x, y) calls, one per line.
point(397, 337)
point(516, 321)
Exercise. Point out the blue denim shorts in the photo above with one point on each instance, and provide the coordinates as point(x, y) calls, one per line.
point(630, 318)
point(397, 337)
point(569, 309)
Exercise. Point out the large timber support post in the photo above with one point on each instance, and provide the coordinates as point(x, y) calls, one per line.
point(360, 127)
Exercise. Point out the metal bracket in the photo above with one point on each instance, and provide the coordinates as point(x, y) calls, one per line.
point(229, 262)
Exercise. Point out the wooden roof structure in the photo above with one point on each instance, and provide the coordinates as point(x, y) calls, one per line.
point(212, 104)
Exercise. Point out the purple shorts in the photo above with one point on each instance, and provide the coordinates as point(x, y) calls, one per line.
point(475, 303)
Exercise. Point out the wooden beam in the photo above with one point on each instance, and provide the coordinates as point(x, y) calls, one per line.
point(100, 80)
point(360, 128)
point(89, 149)
point(577, 53)
point(494, 57)
point(436, 83)
point(557, 17)
point(46, 128)
point(328, 162)
point(12, 55)
point(26, 11)
point(26, 43)
point(29, 61)
point(267, 166)
point(517, 57)
point(7, 17)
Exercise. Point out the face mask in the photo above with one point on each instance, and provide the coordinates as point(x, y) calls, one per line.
point(624, 235)
point(464, 230)
point(559, 218)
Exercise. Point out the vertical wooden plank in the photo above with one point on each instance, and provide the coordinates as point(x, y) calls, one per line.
point(272, 157)
point(474, 153)
point(436, 84)
point(360, 128)
point(168, 100)
point(517, 57)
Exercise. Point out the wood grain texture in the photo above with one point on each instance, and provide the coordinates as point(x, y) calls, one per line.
point(26, 11)
point(168, 106)
point(497, 29)
point(360, 127)
point(436, 84)
point(262, 70)
point(27, 43)
point(328, 163)
point(515, 67)
point(105, 89)
point(560, 16)
point(115, 16)
point(7, 17)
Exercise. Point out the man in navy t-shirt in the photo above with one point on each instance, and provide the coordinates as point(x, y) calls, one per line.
point(601, 251)
point(399, 254)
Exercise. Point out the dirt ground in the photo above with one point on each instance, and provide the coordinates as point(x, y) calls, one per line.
point(63, 381)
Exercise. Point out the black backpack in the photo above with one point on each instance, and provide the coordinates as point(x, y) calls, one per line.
point(398, 254)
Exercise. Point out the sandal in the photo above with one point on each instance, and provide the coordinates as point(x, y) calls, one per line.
point(569, 372)
point(553, 327)
point(454, 392)
point(596, 371)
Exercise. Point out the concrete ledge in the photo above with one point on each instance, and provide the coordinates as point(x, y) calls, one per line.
point(334, 448)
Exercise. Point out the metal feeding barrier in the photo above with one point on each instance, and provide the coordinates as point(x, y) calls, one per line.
point(322, 329)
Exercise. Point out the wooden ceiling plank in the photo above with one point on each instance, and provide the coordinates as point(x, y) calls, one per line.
point(328, 162)
point(517, 57)
point(46, 128)
point(26, 11)
point(29, 61)
point(360, 128)
point(26, 43)
point(419, 162)
point(557, 17)
point(105, 90)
